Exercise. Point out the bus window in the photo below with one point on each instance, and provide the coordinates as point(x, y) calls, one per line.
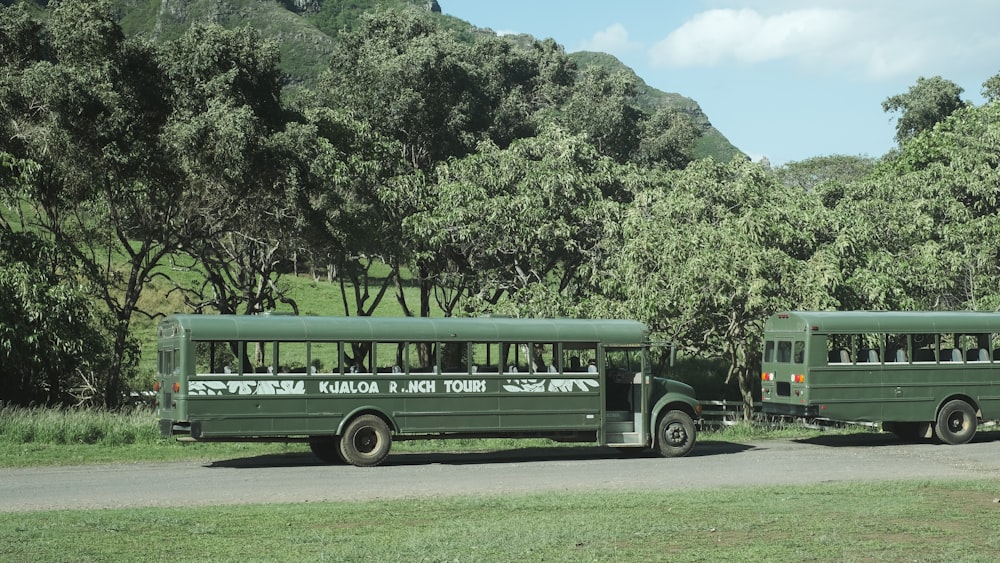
point(546, 358)
point(214, 357)
point(975, 347)
point(579, 357)
point(387, 357)
point(262, 357)
point(324, 357)
point(357, 357)
point(784, 351)
point(516, 357)
point(799, 352)
point(769, 351)
point(838, 349)
point(924, 348)
point(869, 348)
point(897, 348)
point(417, 357)
point(947, 352)
point(485, 357)
point(453, 357)
point(292, 357)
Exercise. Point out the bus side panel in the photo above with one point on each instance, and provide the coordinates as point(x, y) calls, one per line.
point(912, 392)
point(551, 402)
point(850, 392)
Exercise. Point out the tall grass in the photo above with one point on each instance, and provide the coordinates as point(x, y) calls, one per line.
point(20, 425)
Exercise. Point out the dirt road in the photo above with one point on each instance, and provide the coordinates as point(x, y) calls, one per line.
point(300, 478)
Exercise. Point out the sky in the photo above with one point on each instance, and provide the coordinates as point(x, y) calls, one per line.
point(785, 80)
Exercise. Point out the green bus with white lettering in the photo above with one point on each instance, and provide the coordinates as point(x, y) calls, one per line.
point(921, 374)
point(350, 386)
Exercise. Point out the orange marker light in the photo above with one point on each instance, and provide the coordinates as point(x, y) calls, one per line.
point(177, 387)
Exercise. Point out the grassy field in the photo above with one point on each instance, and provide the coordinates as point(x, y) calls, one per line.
point(916, 521)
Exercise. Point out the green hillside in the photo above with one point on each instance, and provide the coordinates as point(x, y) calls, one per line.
point(306, 31)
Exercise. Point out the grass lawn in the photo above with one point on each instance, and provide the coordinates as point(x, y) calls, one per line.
point(914, 521)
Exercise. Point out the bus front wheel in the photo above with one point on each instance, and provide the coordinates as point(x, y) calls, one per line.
point(956, 423)
point(675, 434)
point(366, 441)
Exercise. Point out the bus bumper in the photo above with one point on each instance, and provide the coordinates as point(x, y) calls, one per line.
point(783, 409)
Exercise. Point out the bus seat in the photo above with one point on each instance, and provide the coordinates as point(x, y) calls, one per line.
point(901, 356)
point(951, 355)
point(869, 356)
point(845, 356)
point(980, 355)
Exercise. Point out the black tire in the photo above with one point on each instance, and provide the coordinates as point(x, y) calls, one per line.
point(675, 434)
point(956, 422)
point(327, 449)
point(366, 441)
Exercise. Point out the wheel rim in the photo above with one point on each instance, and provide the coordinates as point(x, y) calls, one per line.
point(366, 440)
point(957, 422)
point(675, 435)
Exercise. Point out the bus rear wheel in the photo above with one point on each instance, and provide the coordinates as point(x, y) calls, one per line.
point(956, 423)
point(326, 448)
point(675, 434)
point(366, 441)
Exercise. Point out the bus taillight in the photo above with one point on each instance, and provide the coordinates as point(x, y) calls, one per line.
point(156, 386)
point(798, 378)
point(765, 376)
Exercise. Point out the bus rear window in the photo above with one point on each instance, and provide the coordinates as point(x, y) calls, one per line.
point(769, 351)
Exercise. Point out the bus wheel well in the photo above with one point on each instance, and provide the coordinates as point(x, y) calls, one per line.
point(677, 406)
point(363, 411)
point(964, 398)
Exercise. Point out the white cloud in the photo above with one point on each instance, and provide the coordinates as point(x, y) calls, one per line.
point(719, 36)
point(613, 40)
point(867, 40)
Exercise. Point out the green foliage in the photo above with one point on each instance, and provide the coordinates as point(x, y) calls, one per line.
point(54, 348)
point(927, 102)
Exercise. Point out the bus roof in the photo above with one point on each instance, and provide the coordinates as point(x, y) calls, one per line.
point(402, 329)
point(835, 322)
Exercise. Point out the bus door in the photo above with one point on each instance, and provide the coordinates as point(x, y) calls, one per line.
point(624, 395)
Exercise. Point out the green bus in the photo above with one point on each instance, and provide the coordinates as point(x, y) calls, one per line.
point(921, 374)
point(349, 386)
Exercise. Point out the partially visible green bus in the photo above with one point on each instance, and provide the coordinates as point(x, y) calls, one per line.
point(921, 374)
point(351, 385)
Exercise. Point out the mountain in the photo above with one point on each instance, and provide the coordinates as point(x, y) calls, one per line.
point(306, 32)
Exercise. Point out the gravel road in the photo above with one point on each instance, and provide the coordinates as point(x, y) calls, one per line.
point(300, 478)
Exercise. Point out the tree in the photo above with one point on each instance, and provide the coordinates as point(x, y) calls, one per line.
point(991, 89)
point(436, 96)
point(54, 346)
point(925, 104)
point(934, 245)
point(509, 219)
point(666, 139)
point(245, 160)
point(705, 256)
point(87, 106)
point(824, 173)
point(601, 108)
